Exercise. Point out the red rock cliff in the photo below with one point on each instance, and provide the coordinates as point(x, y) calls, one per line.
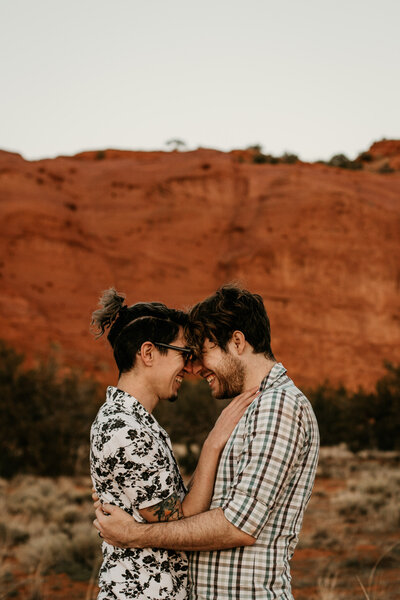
point(320, 244)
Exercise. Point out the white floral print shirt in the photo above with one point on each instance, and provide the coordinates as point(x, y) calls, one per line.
point(133, 467)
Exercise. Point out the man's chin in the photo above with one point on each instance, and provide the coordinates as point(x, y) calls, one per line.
point(172, 398)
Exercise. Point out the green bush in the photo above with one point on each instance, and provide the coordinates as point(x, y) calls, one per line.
point(341, 161)
point(361, 419)
point(260, 159)
point(45, 417)
point(190, 418)
point(365, 157)
point(289, 158)
point(46, 413)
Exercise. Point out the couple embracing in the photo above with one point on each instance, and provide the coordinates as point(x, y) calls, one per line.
point(231, 534)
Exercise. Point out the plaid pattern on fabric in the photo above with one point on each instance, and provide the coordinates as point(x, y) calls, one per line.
point(264, 482)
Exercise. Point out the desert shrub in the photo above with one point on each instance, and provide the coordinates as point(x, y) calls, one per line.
point(265, 159)
point(259, 158)
point(330, 409)
point(373, 494)
point(45, 530)
point(49, 414)
point(341, 161)
point(73, 552)
point(365, 157)
point(176, 144)
point(10, 535)
point(289, 158)
point(362, 419)
point(352, 505)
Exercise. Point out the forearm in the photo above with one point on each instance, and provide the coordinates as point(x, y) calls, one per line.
point(207, 531)
point(201, 486)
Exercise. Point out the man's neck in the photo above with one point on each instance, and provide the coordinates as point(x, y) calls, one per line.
point(257, 368)
point(139, 389)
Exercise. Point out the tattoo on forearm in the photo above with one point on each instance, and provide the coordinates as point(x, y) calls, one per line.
point(169, 509)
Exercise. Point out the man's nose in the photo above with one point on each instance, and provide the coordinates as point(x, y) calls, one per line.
point(196, 366)
point(188, 367)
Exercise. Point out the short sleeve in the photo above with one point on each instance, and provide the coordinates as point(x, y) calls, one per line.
point(140, 465)
point(273, 443)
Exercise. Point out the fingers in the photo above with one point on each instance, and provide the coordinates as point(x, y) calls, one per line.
point(100, 513)
point(97, 504)
point(95, 496)
point(108, 509)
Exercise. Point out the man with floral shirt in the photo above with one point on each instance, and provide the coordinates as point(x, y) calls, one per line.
point(132, 466)
point(132, 463)
point(242, 545)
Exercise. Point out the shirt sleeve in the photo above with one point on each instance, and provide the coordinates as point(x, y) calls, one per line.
point(273, 444)
point(140, 466)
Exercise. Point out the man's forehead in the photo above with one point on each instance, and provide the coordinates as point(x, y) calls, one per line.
point(208, 344)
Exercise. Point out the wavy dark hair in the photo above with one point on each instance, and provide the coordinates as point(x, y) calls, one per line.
point(130, 326)
point(231, 308)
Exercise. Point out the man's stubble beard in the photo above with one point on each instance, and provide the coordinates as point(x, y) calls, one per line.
point(231, 378)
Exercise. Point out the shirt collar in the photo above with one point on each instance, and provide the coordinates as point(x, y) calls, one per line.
point(270, 380)
point(133, 406)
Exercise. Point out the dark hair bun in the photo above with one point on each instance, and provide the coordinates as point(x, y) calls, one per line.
point(112, 303)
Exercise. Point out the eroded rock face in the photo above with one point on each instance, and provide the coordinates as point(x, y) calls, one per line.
point(320, 244)
point(386, 152)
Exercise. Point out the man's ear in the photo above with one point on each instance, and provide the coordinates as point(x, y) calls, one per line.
point(239, 341)
point(147, 353)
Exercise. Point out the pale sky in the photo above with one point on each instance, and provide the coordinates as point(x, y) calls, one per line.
point(313, 77)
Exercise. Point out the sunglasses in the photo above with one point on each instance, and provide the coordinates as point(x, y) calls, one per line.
point(187, 353)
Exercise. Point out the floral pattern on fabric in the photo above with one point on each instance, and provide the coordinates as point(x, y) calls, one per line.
point(133, 467)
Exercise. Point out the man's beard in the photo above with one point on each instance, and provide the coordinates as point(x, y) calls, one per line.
point(230, 378)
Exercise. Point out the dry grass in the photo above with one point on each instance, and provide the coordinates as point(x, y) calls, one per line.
point(348, 550)
point(46, 527)
point(327, 587)
point(351, 534)
point(373, 495)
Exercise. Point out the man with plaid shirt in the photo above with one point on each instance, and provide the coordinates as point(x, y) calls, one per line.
point(241, 547)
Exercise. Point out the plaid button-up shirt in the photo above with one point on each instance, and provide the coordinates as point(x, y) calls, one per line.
point(263, 484)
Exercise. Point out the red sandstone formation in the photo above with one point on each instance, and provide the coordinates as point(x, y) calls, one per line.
point(320, 244)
